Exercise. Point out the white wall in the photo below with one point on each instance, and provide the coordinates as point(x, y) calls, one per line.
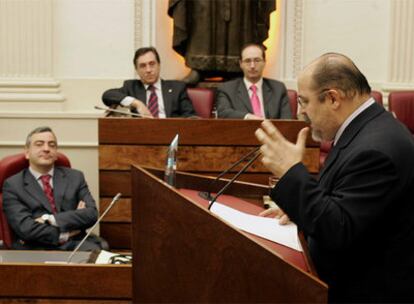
point(359, 29)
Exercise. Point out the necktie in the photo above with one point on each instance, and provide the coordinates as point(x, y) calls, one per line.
point(153, 101)
point(254, 99)
point(48, 191)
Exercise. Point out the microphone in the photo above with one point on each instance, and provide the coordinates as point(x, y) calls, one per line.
point(114, 200)
point(246, 166)
point(122, 112)
point(207, 194)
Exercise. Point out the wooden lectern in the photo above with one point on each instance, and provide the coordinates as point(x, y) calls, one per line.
point(206, 146)
point(184, 253)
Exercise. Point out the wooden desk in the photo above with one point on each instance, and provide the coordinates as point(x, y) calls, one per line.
point(58, 283)
point(206, 146)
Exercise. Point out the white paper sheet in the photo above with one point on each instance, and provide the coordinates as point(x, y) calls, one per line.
point(104, 257)
point(264, 227)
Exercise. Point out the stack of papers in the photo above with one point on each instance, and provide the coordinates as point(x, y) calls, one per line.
point(267, 228)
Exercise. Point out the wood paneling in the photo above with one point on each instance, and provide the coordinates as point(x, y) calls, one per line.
point(189, 158)
point(80, 281)
point(118, 235)
point(205, 147)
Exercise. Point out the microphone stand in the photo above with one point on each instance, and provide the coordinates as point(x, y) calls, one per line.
point(122, 112)
point(207, 194)
point(246, 166)
point(114, 200)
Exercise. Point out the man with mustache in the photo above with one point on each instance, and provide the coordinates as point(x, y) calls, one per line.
point(253, 97)
point(358, 216)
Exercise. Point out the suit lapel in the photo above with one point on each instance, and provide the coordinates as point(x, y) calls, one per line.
point(167, 94)
point(243, 95)
point(59, 187)
point(267, 97)
point(33, 188)
point(141, 93)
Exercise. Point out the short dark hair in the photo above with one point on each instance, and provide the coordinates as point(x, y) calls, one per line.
point(260, 46)
point(339, 71)
point(143, 51)
point(38, 130)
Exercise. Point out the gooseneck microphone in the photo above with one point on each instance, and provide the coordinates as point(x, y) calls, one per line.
point(207, 194)
point(114, 200)
point(246, 166)
point(122, 112)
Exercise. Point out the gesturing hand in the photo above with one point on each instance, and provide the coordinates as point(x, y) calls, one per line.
point(279, 155)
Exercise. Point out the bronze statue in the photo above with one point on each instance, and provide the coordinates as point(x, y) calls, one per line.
point(210, 33)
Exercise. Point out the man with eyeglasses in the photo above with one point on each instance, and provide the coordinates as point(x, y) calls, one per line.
point(358, 215)
point(151, 96)
point(253, 97)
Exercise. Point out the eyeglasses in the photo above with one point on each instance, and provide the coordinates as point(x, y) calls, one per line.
point(252, 60)
point(303, 102)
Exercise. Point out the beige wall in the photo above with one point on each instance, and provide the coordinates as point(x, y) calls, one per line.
point(55, 65)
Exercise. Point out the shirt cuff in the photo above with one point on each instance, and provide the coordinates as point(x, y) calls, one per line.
point(127, 101)
point(63, 237)
point(52, 220)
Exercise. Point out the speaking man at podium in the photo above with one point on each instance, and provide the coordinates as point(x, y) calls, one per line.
point(150, 95)
point(48, 206)
point(358, 216)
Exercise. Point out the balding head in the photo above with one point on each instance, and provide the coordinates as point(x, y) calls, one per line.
point(334, 70)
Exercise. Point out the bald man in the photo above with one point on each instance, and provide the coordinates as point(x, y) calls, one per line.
point(358, 216)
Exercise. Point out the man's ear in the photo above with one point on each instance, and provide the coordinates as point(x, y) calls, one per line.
point(26, 153)
point(334, 97)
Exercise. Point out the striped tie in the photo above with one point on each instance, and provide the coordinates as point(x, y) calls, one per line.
point(47, 188)
point(153, 101)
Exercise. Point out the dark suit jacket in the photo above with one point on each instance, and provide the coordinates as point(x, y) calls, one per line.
point(359, 216)
point(233, 100)
point(174, 93)
point(24, 200)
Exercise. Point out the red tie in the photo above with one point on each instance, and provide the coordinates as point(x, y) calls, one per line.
point(254, 99)
point(48, 191)
point(153, 101)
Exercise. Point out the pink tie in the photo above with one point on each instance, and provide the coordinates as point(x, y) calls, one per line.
point(47, 188)
point(257, 109)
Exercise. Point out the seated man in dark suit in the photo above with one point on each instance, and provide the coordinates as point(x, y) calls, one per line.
point(150, 95)
point(49, 207)
point(253, 97)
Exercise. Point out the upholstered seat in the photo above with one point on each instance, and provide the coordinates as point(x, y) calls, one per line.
point(203, 101)
point(11, 165)
point(402, 105)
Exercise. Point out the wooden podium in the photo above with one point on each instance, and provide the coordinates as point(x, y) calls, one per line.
point(184, 253)
point(206, 146)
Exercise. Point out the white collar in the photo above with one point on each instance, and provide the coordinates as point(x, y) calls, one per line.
point(351, 117)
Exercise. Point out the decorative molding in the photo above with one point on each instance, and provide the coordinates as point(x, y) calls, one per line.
point(401, 62)
point(392, 86)
point(298, 37)
point(52, 115)
point(68, 144)
point(26, 52)
point(26, 39)
point(145, 24)
point(138, 24)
